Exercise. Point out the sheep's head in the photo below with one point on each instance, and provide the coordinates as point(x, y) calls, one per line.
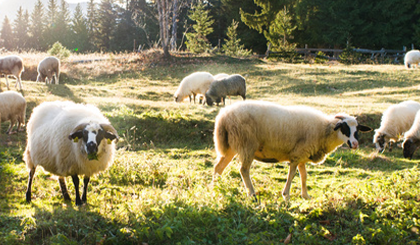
point(92, 135)
point(380, 140)
point(409, 147)
point(349, 129)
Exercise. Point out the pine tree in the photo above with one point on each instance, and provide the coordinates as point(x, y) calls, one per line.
point(80, 35)
point(37, 27)
point(197, 41)
point(126, 31)
point(20, 28)
point(7, 35)
point(232, 44)
point(106, 24)
point(62, 27)
point(92, 25)
point(51, 35)
point(280, 31)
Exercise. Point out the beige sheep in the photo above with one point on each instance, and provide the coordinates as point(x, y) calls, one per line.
point(12, 65)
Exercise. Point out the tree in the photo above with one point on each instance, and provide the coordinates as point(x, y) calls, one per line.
point(197, 41)
point(21, 27)
point(80, 35)
point(51, 34)
point(233, 44)
point(7, 34)
point(280, 32)
point(37, 27)
point(106, 24)
point(62, 29)
point(126, 33)
point(92, 25)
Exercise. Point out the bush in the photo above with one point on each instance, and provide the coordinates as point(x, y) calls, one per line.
point(59, 51)
point(349, 56)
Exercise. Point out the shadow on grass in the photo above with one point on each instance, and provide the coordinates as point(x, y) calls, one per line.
point(63, 91)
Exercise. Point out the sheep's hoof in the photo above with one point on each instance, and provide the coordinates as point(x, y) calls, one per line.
point(286, 197)
point(254, 198)
point(306, 196)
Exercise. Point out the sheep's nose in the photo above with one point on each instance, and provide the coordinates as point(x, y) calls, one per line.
point(91, 147)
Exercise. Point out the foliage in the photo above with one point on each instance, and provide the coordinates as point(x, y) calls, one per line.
point(59, 51)
point(6, 34)
point(197, 41)
point(232, 45)
point(350, 56)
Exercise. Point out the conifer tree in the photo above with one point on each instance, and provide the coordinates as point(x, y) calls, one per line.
point(7, 35)
point(63, 25)
point(20, 28)
point(80, 35)
point(37, 27)
point(106, 24)
point(233, 44)
point(92, 25)
point(197, 41)
point(279, 33)
point(51, 34)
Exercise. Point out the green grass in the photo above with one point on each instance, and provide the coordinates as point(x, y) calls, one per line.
point(159, 191)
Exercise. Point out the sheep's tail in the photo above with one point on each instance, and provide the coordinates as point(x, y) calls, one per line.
point(221, 141)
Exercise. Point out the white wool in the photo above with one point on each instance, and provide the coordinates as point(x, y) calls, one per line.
point(13, 109)
point(412, 58)
point(49, 69)
point(193, 84)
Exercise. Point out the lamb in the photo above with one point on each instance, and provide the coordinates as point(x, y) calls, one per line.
point(231, 85)
point(13, 109)
point(12, 65)
point(49, 70)
point(412, 57)
point(396, 120)
point(412, 138)
point(193, 84)
point(271, 133)
point(69, 139)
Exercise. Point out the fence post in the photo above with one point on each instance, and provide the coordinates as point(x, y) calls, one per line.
point(306, 51)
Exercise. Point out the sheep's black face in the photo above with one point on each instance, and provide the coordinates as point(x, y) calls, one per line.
point(380, 143)
point(409, 147)
point(209, 101)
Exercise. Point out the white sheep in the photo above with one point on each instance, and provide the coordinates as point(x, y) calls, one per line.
point(12, 65)
point(69, 139)
point(412, 138)
point(49, 70)
point(220, 76)
point(193, 84)
point(396, 120)
point(13, 109)
point(412, 57)
point(272, 133)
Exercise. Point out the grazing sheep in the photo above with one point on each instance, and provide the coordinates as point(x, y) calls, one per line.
point(396, 120)
point(231, 85)
point(49, 70)
point(272, 133)
point(220, 76)
point(412, 138)
point(412, 58)
point(12, 65)
point(193, 84)
point(13, 109)
point(69, 139)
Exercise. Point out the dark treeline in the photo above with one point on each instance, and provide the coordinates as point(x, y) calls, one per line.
point(124, 25)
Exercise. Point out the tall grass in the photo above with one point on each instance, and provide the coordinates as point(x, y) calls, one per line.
point(159, 189)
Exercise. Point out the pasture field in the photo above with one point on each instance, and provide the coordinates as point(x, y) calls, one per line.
point(158, 191)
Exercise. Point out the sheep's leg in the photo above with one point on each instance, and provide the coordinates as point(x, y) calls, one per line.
point(189, 96)
point(303, 176)
point(246, 166)
point(224, 100)
point(194, 97)
point(290, 175)
point(222, 163)
point(12, 123)
point(76, 187)
point(63, 188)
point(7, 82)
point(28, 190)
point(18, 81)
point(85, 188)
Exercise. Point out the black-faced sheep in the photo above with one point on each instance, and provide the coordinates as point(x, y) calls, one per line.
point(12, 65)
point(230, 85)
point(272, 133)
point(13, 109)
point(412, 58)
point(412, 138)
point(49, 70)
point(193, 84)
point(69, 139)
point(396, 120)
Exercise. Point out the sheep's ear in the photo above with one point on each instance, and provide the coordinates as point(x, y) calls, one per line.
point(77, 132)
point(338, 125)
point(110, 132)
point(363, 128)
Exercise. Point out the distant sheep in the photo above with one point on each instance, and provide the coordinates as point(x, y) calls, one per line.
point(13, 109)
point(412, 138)
point(12, 65)
point(396, 120)
point(49, 70)
point(412, 58)
point(69, 139)
point(230, 85)
point(193, 84)
point(220, 76)
point(272, 133)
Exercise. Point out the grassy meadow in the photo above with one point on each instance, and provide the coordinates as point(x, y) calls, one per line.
point(158, 191)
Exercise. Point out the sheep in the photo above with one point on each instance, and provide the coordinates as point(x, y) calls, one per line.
point(231, 85)
point(12, 65)
point(13, 108)
point(69, 139)
point(220, 76)
point(49, 70)
point(412, 57)
point(396, 120)
point(195, 83)
point(272, 133)
point(412, 138)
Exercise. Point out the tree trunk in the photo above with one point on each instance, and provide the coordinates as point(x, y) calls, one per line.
point(174, 24)
point(162, 6)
